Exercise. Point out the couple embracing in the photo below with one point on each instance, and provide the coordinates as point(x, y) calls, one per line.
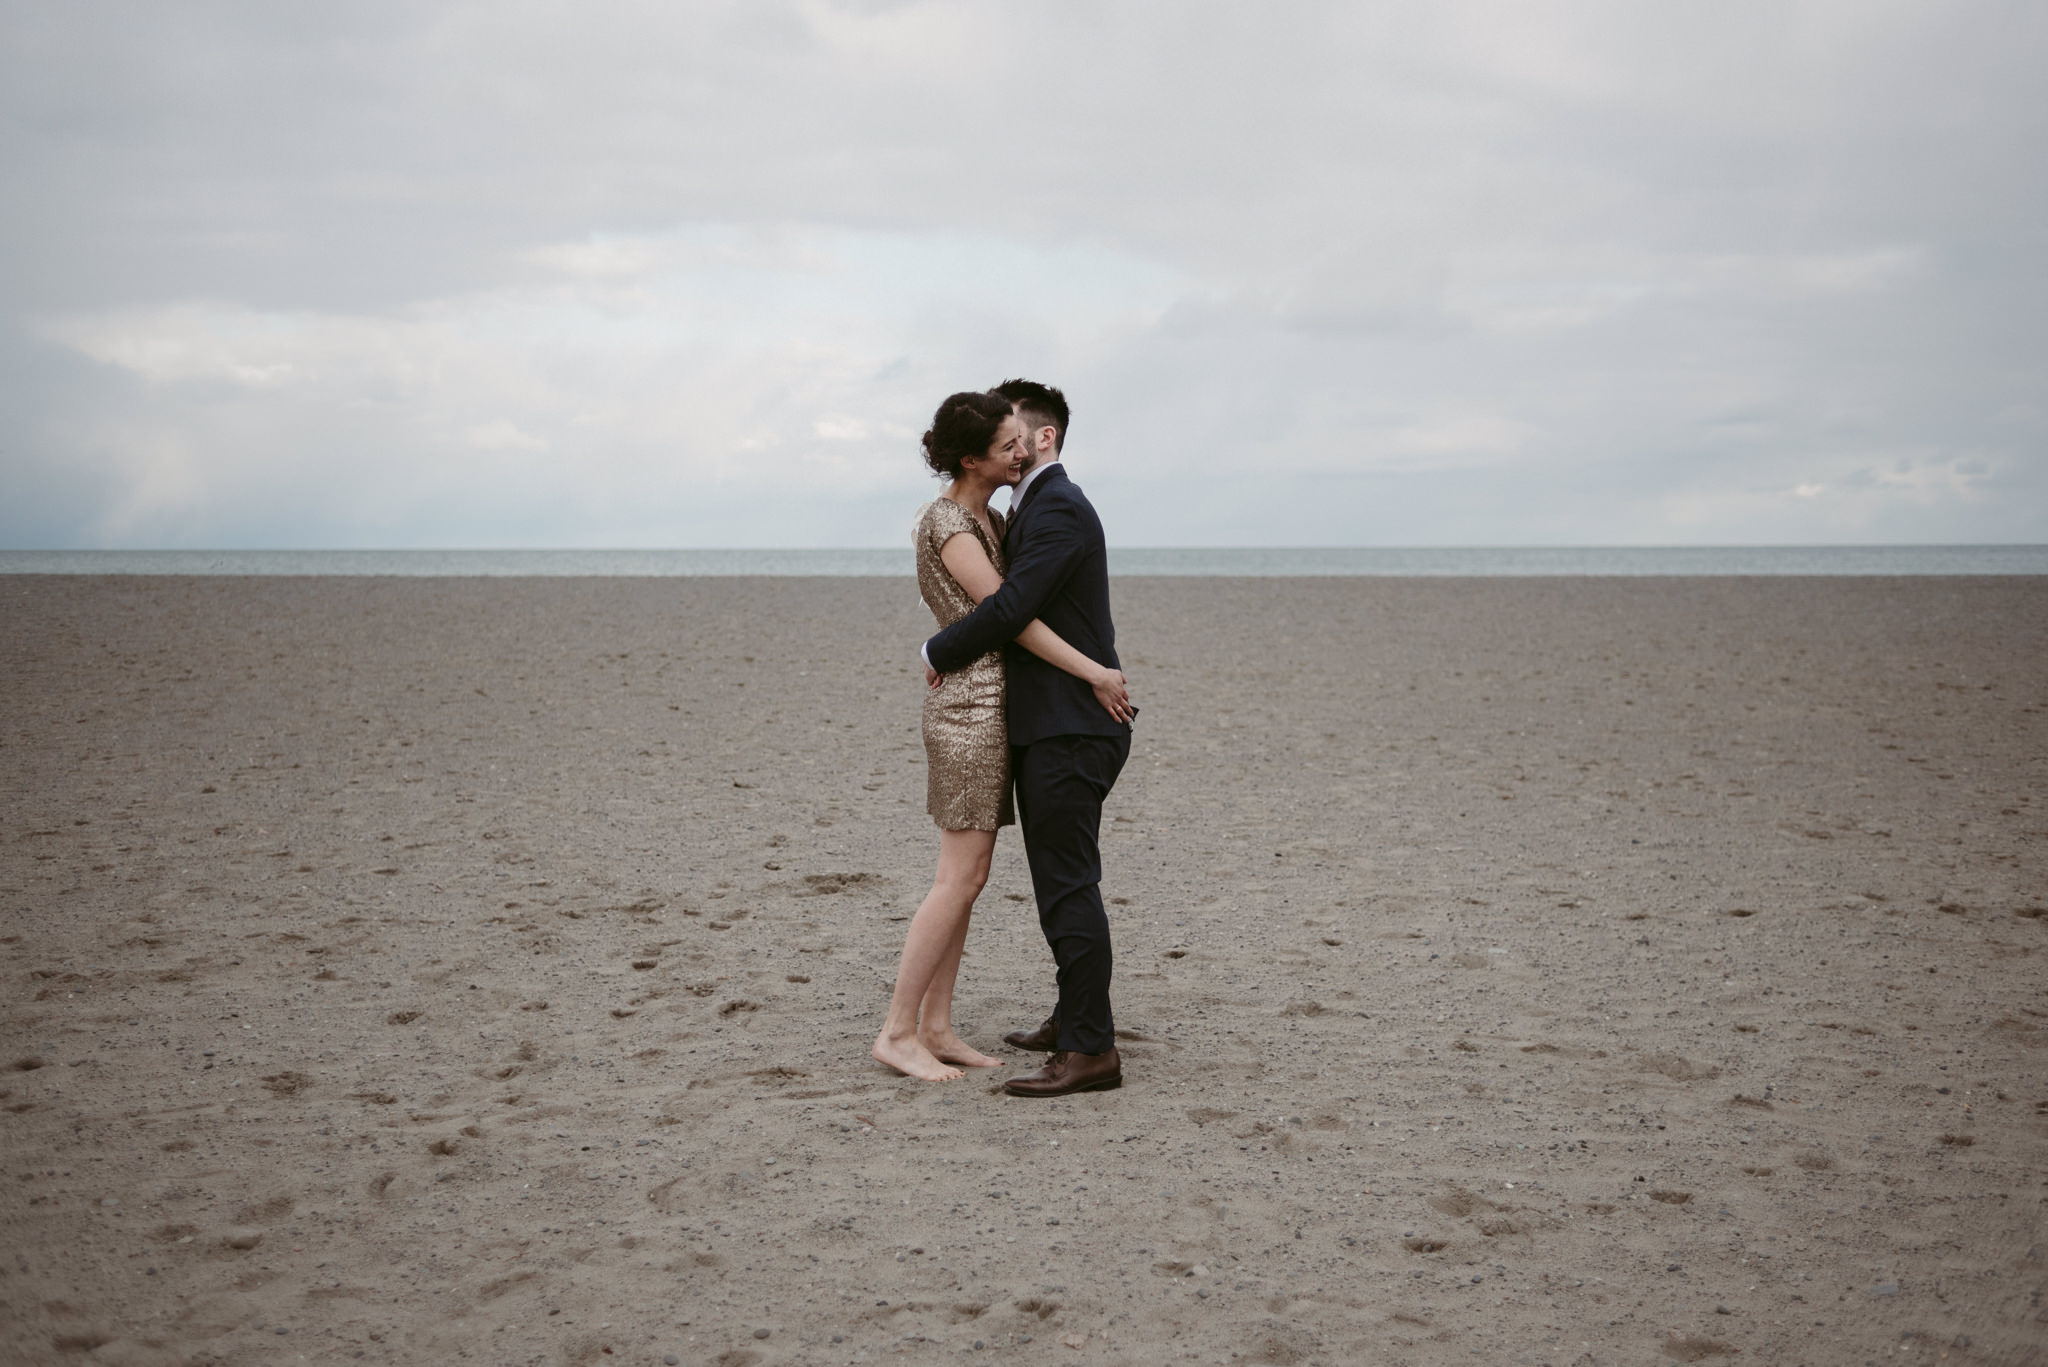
point(1024, 695)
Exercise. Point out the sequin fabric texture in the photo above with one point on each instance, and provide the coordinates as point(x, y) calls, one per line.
point(966, 743)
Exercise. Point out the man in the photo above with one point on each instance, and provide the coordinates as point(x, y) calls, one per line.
point(1065, 749)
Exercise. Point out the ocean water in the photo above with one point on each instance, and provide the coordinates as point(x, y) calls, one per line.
point(1472, 561)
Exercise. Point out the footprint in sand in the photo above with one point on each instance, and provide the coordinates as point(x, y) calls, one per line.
point(86, 1342)
point(491, 1291)
point(1678, 1069)
point(267, 1212)
point(831, 884)
point(1459, 1203)
point(1283, 1348)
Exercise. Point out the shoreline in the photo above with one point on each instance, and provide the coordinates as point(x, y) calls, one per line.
point(1256, 562)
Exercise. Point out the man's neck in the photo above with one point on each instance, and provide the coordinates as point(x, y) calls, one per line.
point(1017, 495)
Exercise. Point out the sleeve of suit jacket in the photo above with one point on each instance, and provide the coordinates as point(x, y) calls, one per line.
point(1042, 563)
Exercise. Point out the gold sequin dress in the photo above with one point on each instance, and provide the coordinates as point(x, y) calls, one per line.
point(966, 741)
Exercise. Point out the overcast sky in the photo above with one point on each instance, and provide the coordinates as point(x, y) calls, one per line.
point(696, 274)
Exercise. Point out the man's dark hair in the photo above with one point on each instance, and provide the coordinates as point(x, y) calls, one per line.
point(1040, 405)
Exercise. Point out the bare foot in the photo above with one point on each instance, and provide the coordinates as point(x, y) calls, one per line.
point(912, 1058)
point(953, 1049)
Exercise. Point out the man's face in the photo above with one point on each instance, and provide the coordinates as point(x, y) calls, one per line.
point(1038, 443)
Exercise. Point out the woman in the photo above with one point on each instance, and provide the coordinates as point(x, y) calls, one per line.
point(978, 445)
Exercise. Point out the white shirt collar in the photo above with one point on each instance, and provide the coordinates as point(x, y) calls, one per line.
point(1017, 494)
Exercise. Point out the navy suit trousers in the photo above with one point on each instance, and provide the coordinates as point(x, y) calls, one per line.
point(1061, 783)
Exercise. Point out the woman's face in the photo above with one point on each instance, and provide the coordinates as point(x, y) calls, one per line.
point(1006, 458)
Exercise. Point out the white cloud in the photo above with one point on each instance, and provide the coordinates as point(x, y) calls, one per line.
point(1855, 272)
point(188, 344)
point(840, 429)
point(607, 257)
point(502, 434)
point(656, 408)
point(1465, 435)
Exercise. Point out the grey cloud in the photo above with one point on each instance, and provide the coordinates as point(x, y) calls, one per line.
point(1640, 265)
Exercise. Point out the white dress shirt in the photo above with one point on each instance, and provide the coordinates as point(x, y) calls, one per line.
point(1017, 494)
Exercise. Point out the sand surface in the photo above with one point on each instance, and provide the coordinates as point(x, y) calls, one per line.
point(1510, 971)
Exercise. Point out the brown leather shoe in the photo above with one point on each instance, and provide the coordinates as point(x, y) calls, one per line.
point(1044, 1039)
point(1065, 1073)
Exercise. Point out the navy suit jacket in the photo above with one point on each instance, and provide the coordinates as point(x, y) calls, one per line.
point(1059, 574)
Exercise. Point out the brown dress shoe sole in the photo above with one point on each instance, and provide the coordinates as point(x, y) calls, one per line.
point(1103, 1084)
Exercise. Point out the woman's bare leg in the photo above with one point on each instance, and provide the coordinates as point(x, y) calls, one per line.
point(935, 1012)
point(936, 933)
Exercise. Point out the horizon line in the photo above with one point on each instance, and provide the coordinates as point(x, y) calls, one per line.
point(1113, 546)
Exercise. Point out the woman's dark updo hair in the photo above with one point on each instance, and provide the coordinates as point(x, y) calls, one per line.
point(963, 429)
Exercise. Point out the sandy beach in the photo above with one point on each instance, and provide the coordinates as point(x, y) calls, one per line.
point(1548, 971)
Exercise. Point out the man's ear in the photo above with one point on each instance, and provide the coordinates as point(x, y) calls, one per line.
point(1044, 440)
